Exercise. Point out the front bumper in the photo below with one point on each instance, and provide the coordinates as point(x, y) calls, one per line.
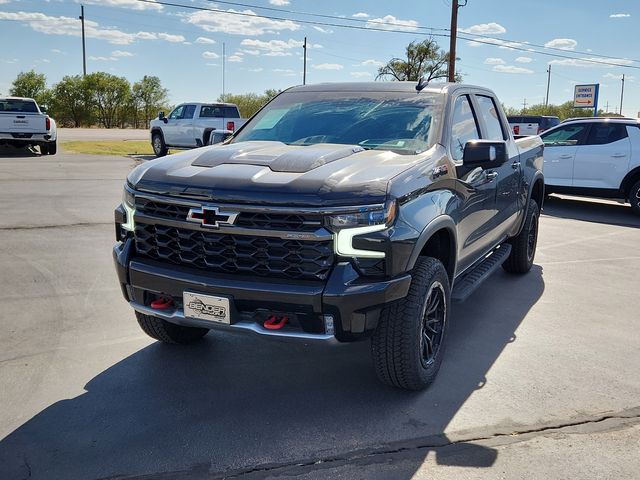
point(352, 303)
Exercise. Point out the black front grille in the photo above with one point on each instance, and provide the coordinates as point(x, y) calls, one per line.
point(237, 254)
point(256, 220)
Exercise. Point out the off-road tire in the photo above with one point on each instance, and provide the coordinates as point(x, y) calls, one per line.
point(523, 252)
point(634, 198)
point(52, 148)
point(44, 149)
point(169, 332)
point(396, 345)
point(159, 147)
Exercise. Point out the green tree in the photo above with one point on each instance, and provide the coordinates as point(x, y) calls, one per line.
point(69, 101)
point(148, 97)
point(248, 103)
point(562, 111)
point(423, 60)
point(108, 95)
point(32, 85)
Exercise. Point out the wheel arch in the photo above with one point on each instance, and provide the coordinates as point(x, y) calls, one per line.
point(438, 240)
point(629, 181)
point(155, 130)
point(206, 136)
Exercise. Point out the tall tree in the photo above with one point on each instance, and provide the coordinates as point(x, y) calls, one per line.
point(32, 85)
point(423, 59)
point(249, 103)
point(108, 94)
point(69, 101)
point(148, 98)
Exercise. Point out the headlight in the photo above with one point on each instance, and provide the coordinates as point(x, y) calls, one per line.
point(365, 218)
point(129, 204)
point(347, 226)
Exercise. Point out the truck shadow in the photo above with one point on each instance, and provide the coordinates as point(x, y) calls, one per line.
point(7, 151)
point(228, 404)
point(591, 210)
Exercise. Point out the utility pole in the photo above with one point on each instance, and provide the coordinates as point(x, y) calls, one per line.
point(622, 94)
point(84, 55)
point(524, 106)
point(607, 107)
point(224, 57)
point(304, 71)
point(546, 102)
point(452, 40)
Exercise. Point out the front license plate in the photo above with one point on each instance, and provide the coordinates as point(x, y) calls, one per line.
point(206, 307)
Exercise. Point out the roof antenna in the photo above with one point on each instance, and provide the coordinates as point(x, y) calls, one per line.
point(422, 83)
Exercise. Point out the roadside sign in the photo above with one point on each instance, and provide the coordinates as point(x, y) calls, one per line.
point(586, 96)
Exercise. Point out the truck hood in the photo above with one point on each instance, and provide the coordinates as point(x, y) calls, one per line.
point(273, 173)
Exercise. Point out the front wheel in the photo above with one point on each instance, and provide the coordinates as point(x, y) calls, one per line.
point(169, 332)
point(407, 347)
point(634, 198)
point(523, 247)
point(159, 147)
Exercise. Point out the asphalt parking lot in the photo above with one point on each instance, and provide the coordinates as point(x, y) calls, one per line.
point(540, 378)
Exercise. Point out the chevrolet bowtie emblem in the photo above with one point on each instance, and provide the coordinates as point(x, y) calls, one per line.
point(211, 217)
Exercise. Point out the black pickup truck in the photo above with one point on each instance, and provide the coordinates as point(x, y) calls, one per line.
point(339, 212)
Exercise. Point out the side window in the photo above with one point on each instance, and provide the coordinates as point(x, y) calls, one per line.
point(489, 114)
point(177, 112)
point(565, 136)
point(464, 127)
point(210, 111)
point(603, 133)
point(189, 110)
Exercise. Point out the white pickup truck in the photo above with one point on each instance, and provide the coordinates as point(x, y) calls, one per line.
point(23, 124)
point(192, 125)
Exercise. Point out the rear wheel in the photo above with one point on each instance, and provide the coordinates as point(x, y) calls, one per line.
point(634, 198)
point(407, 347)
point(523, 249)
point(52, 148)
point(159, 147)
point(169, 332)
point(44, 149)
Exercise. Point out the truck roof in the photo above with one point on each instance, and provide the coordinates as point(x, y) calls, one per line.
point(17, 98)
point(407, 87)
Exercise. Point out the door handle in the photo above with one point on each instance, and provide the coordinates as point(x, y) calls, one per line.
point(566, 156)
point(619, 155)
point(490, 175)
point(515, 165)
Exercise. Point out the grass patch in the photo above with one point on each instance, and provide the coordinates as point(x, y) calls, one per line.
point(109, 147)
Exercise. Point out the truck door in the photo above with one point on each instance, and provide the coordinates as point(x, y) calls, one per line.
point(476, 188)
point(507, 180)
point(560, 145)
point(186, 136)
point(170, 129)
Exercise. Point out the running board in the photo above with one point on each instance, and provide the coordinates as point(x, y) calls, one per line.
point(466, 285)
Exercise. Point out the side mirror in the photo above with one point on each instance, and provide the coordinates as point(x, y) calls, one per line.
point(484, 153)
point(43, 109)
point(162, 117)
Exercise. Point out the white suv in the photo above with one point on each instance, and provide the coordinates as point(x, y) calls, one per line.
point(598, 157)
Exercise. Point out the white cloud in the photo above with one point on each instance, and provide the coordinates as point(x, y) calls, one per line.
point(562, 43)
point(613, 76)
point(276, 48)
point(279, 3)
point(210, 55)
point(249, 51)
point(121, 53)
point(235, 58)
point(55, 50)
point(205, 41)
point(511, 69)
point(491, 28)
point(259, 69)
point(360, 74)
point(360, 15)
point(248, 23)
point(372, 63)
point(389, 22)
point(496, 41)
point(328, 66)
point(282, 70)
point(524, 59)
point(134, 4)
point(48, 25)
point(591, 62)
point(171, 38)
point(322, 30)
point(102, 59)
point(494, 61)
point(619, 15)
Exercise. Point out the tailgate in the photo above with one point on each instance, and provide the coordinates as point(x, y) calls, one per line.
point(524, 128)
point(22, 123)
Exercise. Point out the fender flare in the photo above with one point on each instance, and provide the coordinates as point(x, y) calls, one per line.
point(158, 130)
point(627, 181)
point(439, 223)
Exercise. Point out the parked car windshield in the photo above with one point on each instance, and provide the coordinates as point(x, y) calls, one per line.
point(402, 122)
point(18, 106)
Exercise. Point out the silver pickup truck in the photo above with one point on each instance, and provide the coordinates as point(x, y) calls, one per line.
point(23, 123)
point(192, 125)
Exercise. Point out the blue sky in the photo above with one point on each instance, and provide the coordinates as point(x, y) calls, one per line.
point(184, 47)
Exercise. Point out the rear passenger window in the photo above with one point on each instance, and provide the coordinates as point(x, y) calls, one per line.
point(189, 110)
point(603, 133)
point(464, 127)
point(489, 114)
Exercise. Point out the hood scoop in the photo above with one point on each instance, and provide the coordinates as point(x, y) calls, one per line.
point(278, 156)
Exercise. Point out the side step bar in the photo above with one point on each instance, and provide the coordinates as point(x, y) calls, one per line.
point(466, 285)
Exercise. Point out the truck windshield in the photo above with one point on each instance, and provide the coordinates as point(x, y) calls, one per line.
point(18, 106)
point(401, 122)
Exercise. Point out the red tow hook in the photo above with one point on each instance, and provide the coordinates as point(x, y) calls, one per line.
point(162, 303)
point(272, 323)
